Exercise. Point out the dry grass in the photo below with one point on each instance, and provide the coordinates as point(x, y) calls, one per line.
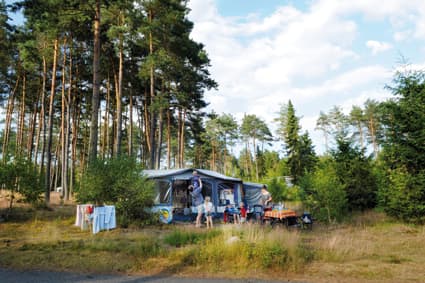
point(376, 251)
point(370, 248)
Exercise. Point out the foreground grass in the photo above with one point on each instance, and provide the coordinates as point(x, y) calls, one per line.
point(368, 249)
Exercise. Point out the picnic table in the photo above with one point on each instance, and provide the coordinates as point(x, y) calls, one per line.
point(279, 214)
point(287, 217)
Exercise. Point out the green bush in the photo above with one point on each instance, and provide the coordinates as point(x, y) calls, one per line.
point(21, 176)
point(324, 193)
point(117, 181)
point(403, 198)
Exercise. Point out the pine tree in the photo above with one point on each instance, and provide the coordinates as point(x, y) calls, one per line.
point(299, 149)
point(404, 147)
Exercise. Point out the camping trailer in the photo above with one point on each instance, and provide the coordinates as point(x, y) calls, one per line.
point(173, 201)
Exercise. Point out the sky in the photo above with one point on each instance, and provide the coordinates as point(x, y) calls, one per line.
point(316, 53)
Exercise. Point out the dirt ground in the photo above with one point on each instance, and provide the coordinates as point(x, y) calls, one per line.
point(55, 200)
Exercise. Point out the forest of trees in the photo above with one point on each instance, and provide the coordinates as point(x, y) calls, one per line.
point(83, 81)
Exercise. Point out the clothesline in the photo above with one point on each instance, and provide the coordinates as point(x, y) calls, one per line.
point(101, 218)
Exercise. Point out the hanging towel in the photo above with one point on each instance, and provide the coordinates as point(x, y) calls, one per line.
point(110, 221)
point(104, 218)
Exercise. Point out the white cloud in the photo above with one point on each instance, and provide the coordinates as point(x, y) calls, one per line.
point(377, 46)
point(402, 35)
point(309, 56)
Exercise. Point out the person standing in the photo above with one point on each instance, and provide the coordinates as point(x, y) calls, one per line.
point(208, 208)
point(198, 199)
point(196, 179)
point(266, 197)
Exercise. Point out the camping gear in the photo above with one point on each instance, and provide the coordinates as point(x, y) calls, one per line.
point(307, 221)
point(258, 213)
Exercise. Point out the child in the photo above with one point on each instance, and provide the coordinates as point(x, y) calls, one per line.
point(242, 212)
point(208, 208)
point(231, 213)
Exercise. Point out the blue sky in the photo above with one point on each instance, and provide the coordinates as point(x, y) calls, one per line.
point(317, 53)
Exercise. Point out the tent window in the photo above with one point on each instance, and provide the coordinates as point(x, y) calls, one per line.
point(181, 197)
point(163, 192)
point(226, 193)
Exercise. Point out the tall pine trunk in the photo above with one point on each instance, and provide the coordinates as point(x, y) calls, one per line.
point(43, 118)
point(181, 123)
point(9, 113)
point(105, 139)
point(65, 123)
point(152, 97)
point(94, 127)
point(50, 129)
point(118, 138)
point(130, 127)
point(168, 138)
point(255, 160)
point(21, 125)
point(146, 122)
point(372, 131)
point(159, 145)
point(75, 127)
point(32, 132)
point(141, 126)
point(68, 122)
point(179, 136)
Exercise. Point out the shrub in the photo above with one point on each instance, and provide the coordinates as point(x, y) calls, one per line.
point(21, 176)
point(326, 196)
point(118, 181)
point(403, 198)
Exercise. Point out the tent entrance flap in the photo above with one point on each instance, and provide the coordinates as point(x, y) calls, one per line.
point(181, 196)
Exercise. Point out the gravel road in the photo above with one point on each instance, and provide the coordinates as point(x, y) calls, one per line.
point(14, 276)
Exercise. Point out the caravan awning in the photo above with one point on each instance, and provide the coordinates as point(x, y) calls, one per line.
point(187, 174)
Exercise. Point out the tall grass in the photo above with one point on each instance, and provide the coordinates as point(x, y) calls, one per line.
point(371, 249)
point(368, 248)
point(253, 248)
point(180, 237)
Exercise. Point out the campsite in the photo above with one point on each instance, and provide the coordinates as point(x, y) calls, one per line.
point(368, 248)
point(278, 140)
point(174, 203)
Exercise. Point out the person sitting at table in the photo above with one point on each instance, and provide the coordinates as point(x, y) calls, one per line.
point(230, 213)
